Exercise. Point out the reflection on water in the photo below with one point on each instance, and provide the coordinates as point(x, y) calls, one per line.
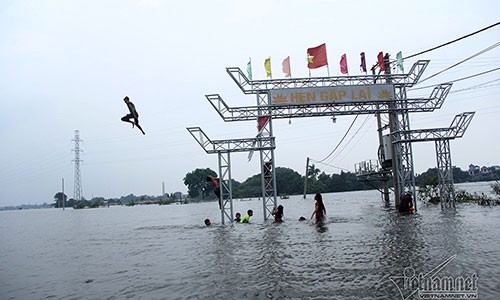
point(165, 252)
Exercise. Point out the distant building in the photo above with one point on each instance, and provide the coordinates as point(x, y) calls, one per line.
point(474, 170)
point(485, 170)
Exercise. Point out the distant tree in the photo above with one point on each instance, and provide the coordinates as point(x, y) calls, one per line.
point(59, 197)
point(428, 190)
point(288, 181)
point(252, 187)
point(197, 184)
point(312, 172)
point(460, 176)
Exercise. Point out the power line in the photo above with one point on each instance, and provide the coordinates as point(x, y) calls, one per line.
point(352, 137)
point(460, 62)
point(456, 80)
point(455, 40)
point(478, 86)
point(340, 142)
point(340, 168)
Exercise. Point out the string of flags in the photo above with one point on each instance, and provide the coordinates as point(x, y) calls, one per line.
point(317, 58)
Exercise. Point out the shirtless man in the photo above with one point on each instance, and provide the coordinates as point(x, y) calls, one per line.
point(215, 182)
point(132, 115)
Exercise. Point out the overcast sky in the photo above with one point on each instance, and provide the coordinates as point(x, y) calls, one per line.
point(67, 65)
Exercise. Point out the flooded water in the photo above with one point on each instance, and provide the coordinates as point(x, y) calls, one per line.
point(366, 251)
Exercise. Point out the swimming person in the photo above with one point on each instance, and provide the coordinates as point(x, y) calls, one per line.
point(132, 115)
point(246, 218)
point(237, 217)
point(319, 209)
point(207, 222)
point(215, 182)
point(278, 214)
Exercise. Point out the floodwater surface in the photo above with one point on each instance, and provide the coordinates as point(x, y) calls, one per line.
point(366, 250)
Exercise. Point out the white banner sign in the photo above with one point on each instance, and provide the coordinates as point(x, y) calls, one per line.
point(334, 94)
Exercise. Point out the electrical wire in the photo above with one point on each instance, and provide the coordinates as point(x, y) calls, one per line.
point(336, 167)
point(457, 80)
point(451, 42)
point(340, 142)
point(352, 137)
point(460, 62)
point(479, 86)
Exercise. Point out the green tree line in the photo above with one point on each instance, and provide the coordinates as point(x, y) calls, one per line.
point(288, 182)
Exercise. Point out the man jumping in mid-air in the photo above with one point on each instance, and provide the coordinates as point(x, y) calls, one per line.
point(132, 115)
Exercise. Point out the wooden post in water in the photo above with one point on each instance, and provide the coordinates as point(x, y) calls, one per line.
point(63, 204)
point(305, 178)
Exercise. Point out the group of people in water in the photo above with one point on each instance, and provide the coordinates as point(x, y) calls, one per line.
point(319, 213)
point(406, 203)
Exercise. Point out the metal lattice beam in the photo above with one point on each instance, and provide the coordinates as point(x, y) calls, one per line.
point(267, 162)
point(263, 86)
point(226, 188)
point(456, 130)
point(441, 137)
point(445, 173)
point(264, 142)
point(231, 145)
point(245, 113)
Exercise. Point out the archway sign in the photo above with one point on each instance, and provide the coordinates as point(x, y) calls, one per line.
point(320, 97)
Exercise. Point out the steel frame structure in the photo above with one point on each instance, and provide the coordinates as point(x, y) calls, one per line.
point(223, 149)
point(263, 86)
point(397, 108)
point(442, 137)
point(78, 194)
point(267, 161)
point(246, 113)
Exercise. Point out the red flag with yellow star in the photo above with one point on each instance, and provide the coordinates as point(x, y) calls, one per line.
point(316, 57)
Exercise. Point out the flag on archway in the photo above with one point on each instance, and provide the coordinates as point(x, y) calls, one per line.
point(380, 59)
point(249, 69)
point(267, 66)
point(316, 57)
point(286, 67)
point(362, 66)
point(261, 122)
point(399, 59)
point(343, 64)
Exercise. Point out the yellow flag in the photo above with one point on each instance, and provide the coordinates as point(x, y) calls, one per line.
point(267, 66)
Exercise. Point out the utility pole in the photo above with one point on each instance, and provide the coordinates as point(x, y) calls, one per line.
point(163, 190)
point(385, 187)
point(305, 178)
point(63, 200)
point(77, 160)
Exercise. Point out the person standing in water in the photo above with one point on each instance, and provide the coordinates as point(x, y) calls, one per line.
point(278, 214)
point(215, 182)
point(132, 115)
point(319, 209)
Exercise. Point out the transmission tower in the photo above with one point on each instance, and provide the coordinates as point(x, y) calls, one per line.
point(78, 180)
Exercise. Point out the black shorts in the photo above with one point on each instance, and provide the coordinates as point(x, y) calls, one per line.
point(130, 116)
point(217, 192)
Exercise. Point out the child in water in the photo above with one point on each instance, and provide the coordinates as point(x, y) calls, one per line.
point(278, 214)
point(237, 217)
point(319, 209)
point(246, 218)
